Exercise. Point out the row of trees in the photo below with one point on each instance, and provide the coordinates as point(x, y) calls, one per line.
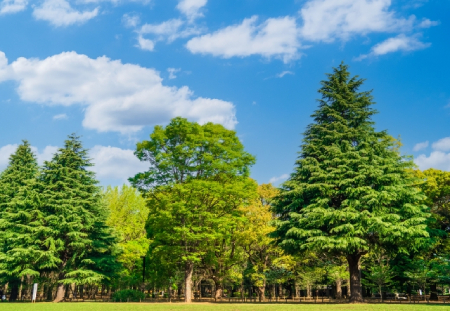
point(353, 213)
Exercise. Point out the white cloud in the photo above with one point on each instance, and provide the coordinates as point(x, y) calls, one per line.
point(282, 74)
point(5, 152)
point(61, 116)
point(12, 6)
point(420, 146)
point(131, 20)
point(60, 13)
point(172, 72)
point(117, 97)
point(442, 144)
point(326, 20)
point(45, 155)
point(191, 8)
point(169, 31)
point(145, 44)
point(112, 163)
point(437, 159)
point(275, 37)
point(426, 23)
point(395, 44)
point(278, 178)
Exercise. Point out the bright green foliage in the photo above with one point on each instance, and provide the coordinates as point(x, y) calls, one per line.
point(196, 183)
point(379, 273)
point(21, 220)
point(350, 189)
point(79, 244)
point(127, 215)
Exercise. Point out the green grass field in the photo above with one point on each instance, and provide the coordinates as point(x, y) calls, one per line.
point(212, 307)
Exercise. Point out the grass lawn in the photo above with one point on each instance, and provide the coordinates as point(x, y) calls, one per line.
point(81, 306)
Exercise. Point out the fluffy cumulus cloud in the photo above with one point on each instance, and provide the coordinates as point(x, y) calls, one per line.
point(439, 158)
point(442, 144)
point(117, 97)
point(115, 164)
point(191, 8)
point(61, 13)
point(275, 37)
point(12, 6)
point(326, 20)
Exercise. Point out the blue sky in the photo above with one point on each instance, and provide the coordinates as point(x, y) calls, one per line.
point(110, 70)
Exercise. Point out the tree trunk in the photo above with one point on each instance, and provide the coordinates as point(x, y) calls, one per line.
point(188, 271)
point(14, 292)
point(338, 288)
point(433, 292)
point(60, 291)
point(218, 289)
point(381, 294)
point(308, 291)
point(355, 278)
point(261, 292)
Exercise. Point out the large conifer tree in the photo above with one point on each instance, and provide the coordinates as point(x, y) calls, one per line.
point(20, 218)
point(350, 189)
point(80, 242)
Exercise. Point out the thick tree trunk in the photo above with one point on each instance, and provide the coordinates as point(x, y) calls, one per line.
point(355, 278)
point(308, 291)
point(61, 289)
point(433, 292)
point(261, 293)
point(218, 290)
point(338, 288)
point(188, 271)
point(14, 292)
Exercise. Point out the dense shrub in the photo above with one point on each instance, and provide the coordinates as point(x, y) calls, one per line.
point(128, 295)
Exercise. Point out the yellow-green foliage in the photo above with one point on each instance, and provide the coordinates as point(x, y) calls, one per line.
point(127, 215)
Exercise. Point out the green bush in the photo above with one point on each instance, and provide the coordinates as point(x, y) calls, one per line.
point(237, 294)
point(128, 295)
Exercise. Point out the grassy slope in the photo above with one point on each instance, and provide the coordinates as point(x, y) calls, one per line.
point(210, 307)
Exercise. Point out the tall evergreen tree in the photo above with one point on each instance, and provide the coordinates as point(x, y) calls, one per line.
point(81, 244)
point(350, 189)
point(20, 218)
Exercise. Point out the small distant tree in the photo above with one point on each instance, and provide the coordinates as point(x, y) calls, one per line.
point(350, 190)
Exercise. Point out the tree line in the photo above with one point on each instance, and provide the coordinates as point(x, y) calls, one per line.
point(354, 214)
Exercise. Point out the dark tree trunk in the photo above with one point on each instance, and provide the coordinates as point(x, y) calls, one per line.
point(188, 271)
point(433, 292)
point(14, 291)
point(355, 278)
